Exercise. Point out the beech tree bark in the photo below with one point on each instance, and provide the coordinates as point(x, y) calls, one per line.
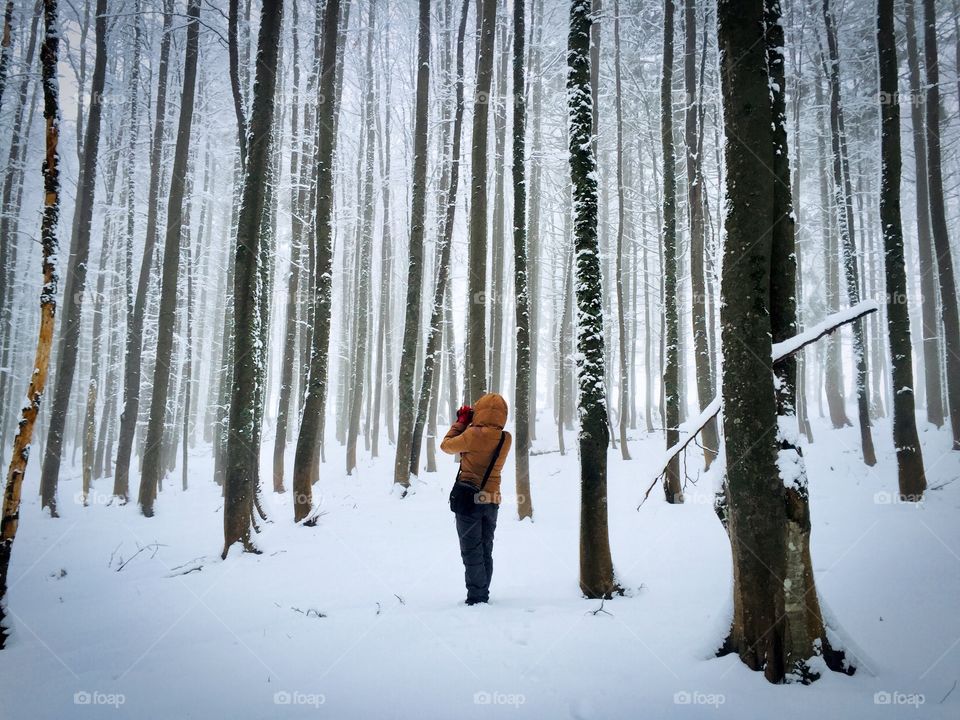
point(243, 447)
point(949, 313)
point(848, 245)
point(434, 345)
point(597, 578)
point(477, 236)
point(910, 473)
point(521, 286)
point(695, 202)
point(411, 324)
point(133, 355)
point(777, 624)
point(671, 340)
point(364, 255)
point(311, 424)
point(153, 466)
point(623, 400)
point(75, 284)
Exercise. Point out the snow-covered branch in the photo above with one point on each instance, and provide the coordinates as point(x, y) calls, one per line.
point(690, 429)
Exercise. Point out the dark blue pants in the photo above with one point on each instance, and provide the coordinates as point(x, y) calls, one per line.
point(476, 530)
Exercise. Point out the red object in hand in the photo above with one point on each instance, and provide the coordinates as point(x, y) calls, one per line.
point(465, 414)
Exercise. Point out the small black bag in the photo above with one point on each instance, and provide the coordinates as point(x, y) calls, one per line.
point(463, 495)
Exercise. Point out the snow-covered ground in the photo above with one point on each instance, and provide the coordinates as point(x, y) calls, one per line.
point(362, 616)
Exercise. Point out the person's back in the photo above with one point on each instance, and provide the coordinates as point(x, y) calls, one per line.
point(478, 435)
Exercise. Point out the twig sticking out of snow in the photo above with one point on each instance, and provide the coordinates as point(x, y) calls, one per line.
point(600, 610)
point(152, 546)
point(311, 612)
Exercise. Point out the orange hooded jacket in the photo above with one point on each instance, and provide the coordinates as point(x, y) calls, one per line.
point(477, 442)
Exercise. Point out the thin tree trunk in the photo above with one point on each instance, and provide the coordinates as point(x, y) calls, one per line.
point(134, 339)
point(833, 370)
point(153, 469)
point(695, 201)
point(6, 48)
point(384, 383)
point(243, 442)
point(844, 202)
point(671, 341)
point(596, 566)
point(435, 332)
point(293, 277)
point(912, 481)
point(76, 280)
point(930, 322)
point(364, 254)
point(311, 424)
point(10, 205)
point(938, 222)
point(623, 400)
point(522, 368)
point(411, 325)
point(498, 280)
point(477, 235)
point(49, 55)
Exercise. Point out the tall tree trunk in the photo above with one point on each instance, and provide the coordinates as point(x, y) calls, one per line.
point(134, 339)
point(364, 254)
point(910, 472)
point(76, 280)
point(435, 332)
point(804, 634)
point(938, 222)
point(596, 566)
point(49, 55)
point(671, 341)
point(755, 499)
point(411, 325)
point(777, 623)
point(6, 48)
point(233, 52)
point(930, 322)
point(153, 469)
point(623, 400)
point(96, 335)
point(10, 205)
point(384, 369)
point(848, 245)
point(521, 286)
point(293, 276)
point(243, 446)
point(498, 280)
point(695, 202)
point(533, 231)
point(477, 236)
point(801, 390)
point(311, 424)
point(833, 371)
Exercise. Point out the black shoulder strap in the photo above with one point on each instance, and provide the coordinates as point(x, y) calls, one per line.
point(496, 454)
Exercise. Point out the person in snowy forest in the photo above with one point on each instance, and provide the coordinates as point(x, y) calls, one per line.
point(483, 444)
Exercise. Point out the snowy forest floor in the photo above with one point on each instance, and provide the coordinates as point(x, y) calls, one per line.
point(362, 615)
